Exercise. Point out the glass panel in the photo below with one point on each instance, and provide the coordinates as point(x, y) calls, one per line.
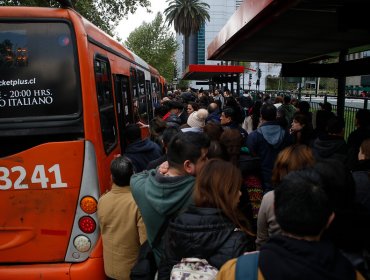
point(38, 71)
point(143, 104)
point(105, 101)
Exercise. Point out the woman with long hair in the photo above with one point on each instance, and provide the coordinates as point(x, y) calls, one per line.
point(191, 107)
point(301, 129)
point(231, 144)
point(296, 157)
point(213, 229)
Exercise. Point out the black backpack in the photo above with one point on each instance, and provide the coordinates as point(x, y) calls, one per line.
point(145, 267)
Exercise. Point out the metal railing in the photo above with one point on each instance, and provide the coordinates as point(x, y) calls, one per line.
point(349, 116)
point(349, 111)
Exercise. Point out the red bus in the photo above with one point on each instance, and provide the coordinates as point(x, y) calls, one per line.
point(67, 91)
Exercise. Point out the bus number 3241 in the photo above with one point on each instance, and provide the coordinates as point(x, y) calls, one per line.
point(38, 177)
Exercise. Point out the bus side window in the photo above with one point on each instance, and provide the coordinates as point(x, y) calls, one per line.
point(142, 104)
point(149, 99)
point(105, 102)
point(135, 95)
point(155, 96)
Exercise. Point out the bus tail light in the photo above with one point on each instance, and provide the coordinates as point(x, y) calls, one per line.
point(82, 243)
point(85, 232)
point(87, 224)
point(89, 205)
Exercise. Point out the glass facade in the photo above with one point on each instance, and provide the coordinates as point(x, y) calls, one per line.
point(201, 45)
point(238, 3)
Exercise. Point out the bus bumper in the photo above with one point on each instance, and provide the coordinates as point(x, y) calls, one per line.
point(91, 269)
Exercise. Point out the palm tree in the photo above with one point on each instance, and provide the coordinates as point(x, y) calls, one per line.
point(187, 16)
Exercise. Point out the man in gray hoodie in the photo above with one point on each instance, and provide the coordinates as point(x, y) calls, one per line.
point(267, 141)
point(161, 196)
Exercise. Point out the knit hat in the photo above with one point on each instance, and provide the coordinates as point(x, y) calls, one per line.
point(198, 118)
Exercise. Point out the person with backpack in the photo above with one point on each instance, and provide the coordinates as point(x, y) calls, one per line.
point(303, 211)
point(286, 112)
point(213, 230)
point(162, 196)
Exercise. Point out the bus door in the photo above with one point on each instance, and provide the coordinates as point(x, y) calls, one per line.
point(124, 110)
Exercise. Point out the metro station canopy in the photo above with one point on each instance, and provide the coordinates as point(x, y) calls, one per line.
point(211, 72)
point(293, 31)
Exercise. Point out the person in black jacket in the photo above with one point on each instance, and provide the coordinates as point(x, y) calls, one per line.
point(213, 229)
point(140, 151)
point(349, 231)
point(361, 175)
point(331, 144)
point(357, 136)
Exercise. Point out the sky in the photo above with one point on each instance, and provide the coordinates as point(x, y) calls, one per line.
point(133, 21)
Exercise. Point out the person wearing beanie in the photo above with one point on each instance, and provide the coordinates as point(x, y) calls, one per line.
point(196, 121)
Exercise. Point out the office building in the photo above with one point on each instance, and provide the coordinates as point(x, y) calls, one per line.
point(220, 12)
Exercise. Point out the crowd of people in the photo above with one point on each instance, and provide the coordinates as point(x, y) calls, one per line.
point(242, 187)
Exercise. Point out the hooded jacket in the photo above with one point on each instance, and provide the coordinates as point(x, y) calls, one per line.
point(160, 198)
point(266, 142)
point(142, 152)
point(330, 146)
point(354, 142)
point(362, 181)
point(214, 116)
point(204, 233)
point(173, 120)
point(287, 110)
point(290, 259)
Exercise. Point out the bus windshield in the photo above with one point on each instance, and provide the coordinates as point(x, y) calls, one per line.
point(39, 78)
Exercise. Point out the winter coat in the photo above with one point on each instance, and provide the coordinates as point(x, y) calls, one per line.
point(266, 221)
point(122, 230)
point(330, 147)
point(266, 142)
point(173, 120)
point(203, 233)
point(362, 180)
point(290, 259)
point(322, 118)
point(354, 142)
point(214, 117)
point(159, 198)
point(142, 152)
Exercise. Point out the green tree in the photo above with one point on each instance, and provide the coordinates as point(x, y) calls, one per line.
point(156, 44)
point(187, 17)
point(103, 13)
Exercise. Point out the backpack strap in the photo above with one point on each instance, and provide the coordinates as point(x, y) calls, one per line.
point(247, 266)
point(162, 230)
